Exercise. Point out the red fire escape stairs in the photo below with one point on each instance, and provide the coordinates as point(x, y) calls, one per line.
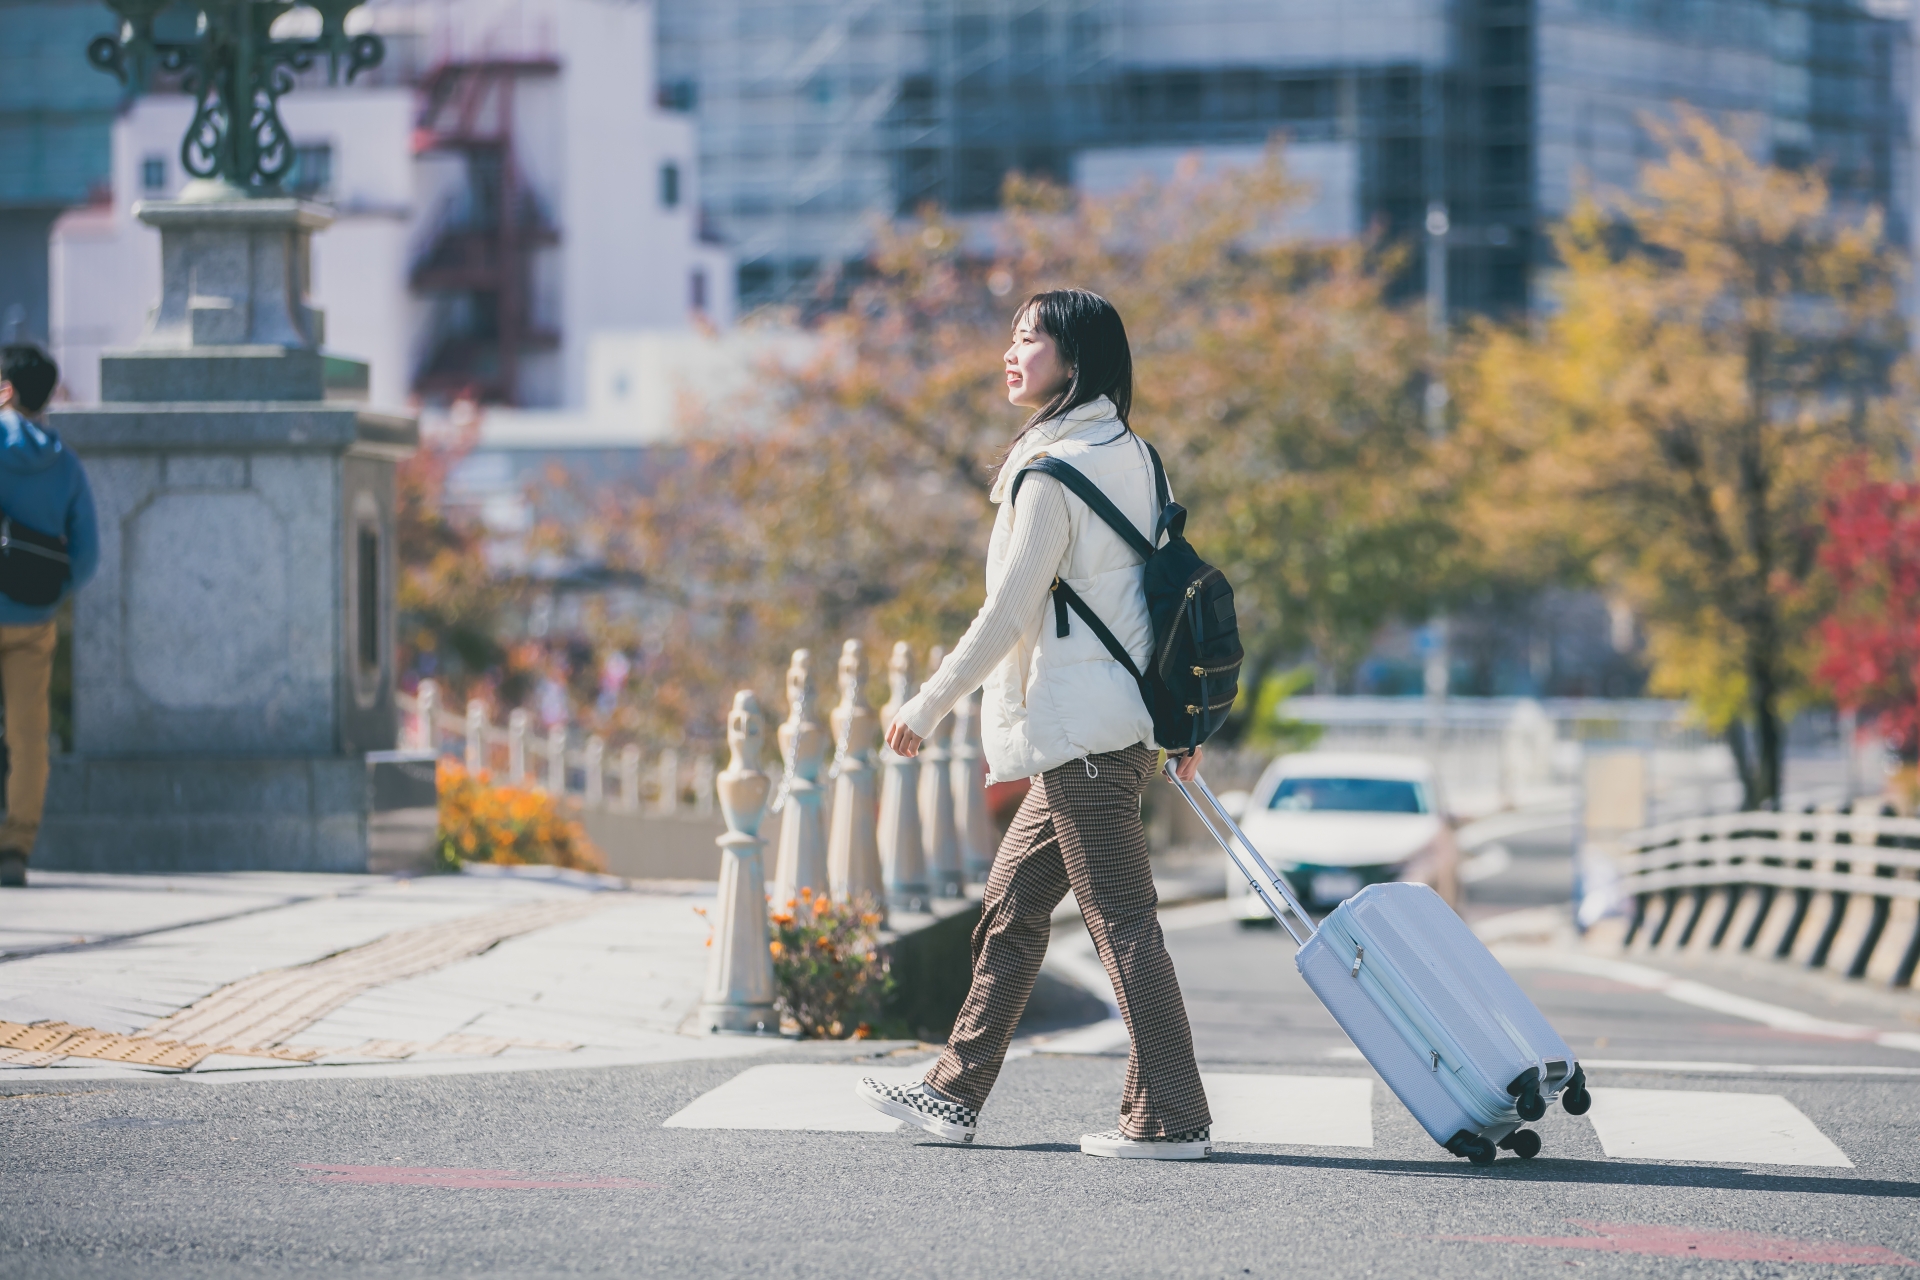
point(482, 248)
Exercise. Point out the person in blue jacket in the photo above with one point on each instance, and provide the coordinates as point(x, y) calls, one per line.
point(43, 487)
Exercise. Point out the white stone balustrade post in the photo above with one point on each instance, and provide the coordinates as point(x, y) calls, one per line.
point(476, 735)
point(426, 717)
point(938, 834)
point(803, 837)
point(557, 762)
point(666, 799)
point(970, 820)
point(853, 856)
point(903, 867)
point(517, 721)
point(739, 990)
point(596, 771)
point(703, 785)
point(630, 778)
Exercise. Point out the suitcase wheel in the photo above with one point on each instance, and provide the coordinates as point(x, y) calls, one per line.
point(1575, 1097)
point(1525, 1091)
point(1474, 1147)
point(1524, 1143)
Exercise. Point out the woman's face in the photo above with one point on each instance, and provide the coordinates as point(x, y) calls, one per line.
point(1035, 371)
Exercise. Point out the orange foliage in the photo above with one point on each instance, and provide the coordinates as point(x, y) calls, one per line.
point(515, 826)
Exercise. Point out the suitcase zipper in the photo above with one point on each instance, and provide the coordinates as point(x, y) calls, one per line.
point(1359, 954)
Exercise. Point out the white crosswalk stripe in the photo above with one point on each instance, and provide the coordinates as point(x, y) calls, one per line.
point(1679, 1124)
point(794, 1096)
point(1307, 1111)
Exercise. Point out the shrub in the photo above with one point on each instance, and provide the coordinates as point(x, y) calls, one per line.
point(831, 978)
point(484, 822)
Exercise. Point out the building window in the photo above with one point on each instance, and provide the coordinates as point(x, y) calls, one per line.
point(670, 186)
point(153, 173)
point(698, 290)
point(312, 171)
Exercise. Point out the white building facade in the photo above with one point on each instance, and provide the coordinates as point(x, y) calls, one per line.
point(505, 190)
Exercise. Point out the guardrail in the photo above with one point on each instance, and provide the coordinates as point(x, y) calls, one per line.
point(518, 754)
point(1829, 889)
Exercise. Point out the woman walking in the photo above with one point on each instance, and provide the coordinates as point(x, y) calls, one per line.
point(1060, 710)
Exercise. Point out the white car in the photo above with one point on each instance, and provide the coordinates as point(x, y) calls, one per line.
point(1334, 822)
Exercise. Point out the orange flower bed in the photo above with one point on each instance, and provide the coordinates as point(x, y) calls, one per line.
point(484, 822)
point(831, 979)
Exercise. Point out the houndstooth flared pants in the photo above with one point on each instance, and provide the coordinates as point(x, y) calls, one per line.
point(1080, 828)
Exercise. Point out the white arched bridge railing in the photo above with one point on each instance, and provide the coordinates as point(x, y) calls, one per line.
point(1827, 890)
point(519, 754)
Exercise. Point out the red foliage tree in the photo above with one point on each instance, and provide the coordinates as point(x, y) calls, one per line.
point(1870, 643)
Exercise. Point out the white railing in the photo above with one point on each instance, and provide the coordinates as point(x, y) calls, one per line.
point(515, 753)
point(1827, 889)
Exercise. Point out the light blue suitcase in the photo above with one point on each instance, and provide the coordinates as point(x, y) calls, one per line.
point(1435, 1014)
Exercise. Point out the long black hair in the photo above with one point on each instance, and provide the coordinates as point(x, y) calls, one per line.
point(1087, 331)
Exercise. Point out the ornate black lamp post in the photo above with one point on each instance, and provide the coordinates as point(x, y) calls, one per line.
point(236, 70)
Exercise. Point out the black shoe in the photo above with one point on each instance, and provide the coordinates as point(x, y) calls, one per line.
point(13, 869)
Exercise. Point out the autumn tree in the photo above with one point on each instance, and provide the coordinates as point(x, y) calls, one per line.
point(449, 604)
point(1272, 373)
point(1869, 642)
point(1712, 347)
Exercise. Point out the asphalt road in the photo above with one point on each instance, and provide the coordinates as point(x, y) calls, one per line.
point(571, 1172)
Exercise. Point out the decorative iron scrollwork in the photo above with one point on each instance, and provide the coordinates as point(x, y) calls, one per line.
point(236, 70)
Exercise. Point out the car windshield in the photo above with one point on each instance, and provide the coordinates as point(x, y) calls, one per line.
point(1349, 795)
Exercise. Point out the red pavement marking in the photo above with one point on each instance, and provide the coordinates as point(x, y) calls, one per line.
point(1692, 1242)
point(389, 1175)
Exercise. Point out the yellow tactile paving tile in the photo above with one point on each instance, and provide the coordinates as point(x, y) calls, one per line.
point(256, 1016)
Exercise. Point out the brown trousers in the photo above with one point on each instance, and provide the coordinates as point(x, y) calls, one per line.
point(1080, 832)
point(26, 672)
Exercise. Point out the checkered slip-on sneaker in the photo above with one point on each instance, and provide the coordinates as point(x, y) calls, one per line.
point(1194, 1144)
point(921, 1107)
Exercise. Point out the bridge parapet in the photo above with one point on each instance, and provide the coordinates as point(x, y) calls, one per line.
point(1834, 888)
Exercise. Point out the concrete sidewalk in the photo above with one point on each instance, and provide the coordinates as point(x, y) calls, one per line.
point(240, 975)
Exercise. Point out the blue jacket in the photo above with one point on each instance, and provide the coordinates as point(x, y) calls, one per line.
point(43, 486)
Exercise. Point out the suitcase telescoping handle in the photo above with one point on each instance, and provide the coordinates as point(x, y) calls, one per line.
point(1221, 826)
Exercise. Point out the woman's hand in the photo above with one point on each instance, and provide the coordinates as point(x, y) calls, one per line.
point(903, 741)
point(1188, 765)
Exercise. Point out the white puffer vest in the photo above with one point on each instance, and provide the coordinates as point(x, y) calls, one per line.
point(1055, 699)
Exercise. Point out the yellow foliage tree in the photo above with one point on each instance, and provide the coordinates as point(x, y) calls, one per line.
point(1715, 346)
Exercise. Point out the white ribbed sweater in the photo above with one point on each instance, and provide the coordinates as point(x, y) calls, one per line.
point(1014, 606)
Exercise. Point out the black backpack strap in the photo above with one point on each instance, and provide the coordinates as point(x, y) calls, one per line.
point(1061, 591)
point(1159, 476)
point(1088, 492)
point(1173, 516)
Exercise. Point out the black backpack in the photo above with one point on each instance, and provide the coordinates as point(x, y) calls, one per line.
point(34, 566)
point(1193, 677)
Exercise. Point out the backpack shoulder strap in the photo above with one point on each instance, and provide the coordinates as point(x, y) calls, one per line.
point(1100, 629)
point(1173, 516)
point(1088, 492)
point(1159, 475)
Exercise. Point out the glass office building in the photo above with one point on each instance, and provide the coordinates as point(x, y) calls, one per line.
point(817, 118)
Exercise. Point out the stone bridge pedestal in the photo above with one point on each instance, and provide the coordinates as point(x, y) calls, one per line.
point(233, 660)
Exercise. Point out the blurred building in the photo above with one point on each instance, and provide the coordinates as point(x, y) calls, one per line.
point(816, 119)
point(55, 113)
point(507, 193)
